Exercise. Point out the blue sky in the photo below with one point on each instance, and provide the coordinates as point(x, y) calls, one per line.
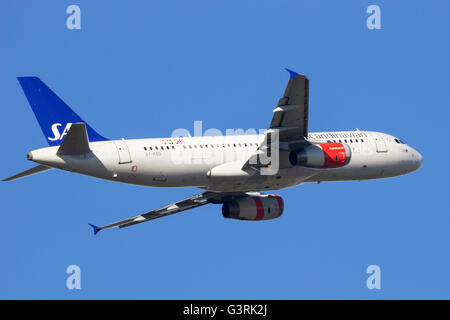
point(144, 68)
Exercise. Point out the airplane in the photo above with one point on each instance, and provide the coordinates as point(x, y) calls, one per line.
point(232, 170)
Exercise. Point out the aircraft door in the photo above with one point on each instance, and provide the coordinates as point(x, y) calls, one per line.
point(380, 143)
point(124, 152)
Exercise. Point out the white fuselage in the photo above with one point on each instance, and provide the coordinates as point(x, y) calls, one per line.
point(214, 163)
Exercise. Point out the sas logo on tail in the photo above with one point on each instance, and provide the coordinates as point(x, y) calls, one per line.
point(56, 134)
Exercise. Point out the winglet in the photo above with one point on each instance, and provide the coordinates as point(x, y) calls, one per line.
point(96, 229)
point(291, 73)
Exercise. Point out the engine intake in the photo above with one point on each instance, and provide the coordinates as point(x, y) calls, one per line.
point(322, 155)
point(264, 207)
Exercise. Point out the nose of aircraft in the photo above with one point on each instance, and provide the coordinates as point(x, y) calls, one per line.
point(420, 159)
point(416, 158)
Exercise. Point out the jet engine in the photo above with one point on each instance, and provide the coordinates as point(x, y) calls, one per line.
point(261, 207)
point(322, 155)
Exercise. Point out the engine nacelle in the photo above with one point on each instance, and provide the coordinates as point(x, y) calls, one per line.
point(263, 207)
point(322, 155)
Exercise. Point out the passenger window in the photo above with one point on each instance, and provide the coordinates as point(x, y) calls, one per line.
point(356, 140)
point(156, 148)
point(167, 147)
point(173, 147)
point(345, 140)
point(340, 140)
point(362, 140)
point(150, 148)
point(145, 148)
point(351, 141)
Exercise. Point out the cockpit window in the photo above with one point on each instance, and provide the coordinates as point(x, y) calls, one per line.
point(399, 141)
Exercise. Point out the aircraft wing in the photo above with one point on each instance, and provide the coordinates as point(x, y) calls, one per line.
point(186, 204)
point(289, 125)
point(291, 114)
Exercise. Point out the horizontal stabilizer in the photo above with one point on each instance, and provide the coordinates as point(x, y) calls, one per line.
point(76, 141)
point(28, 172)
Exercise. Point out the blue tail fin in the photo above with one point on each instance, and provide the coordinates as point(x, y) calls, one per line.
point(54, 116)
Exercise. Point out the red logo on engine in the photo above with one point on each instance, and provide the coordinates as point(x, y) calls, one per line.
point(335, 154)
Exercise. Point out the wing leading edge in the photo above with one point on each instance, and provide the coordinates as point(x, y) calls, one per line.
point(289, 125)
point(182, 205)
point(291, 114)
